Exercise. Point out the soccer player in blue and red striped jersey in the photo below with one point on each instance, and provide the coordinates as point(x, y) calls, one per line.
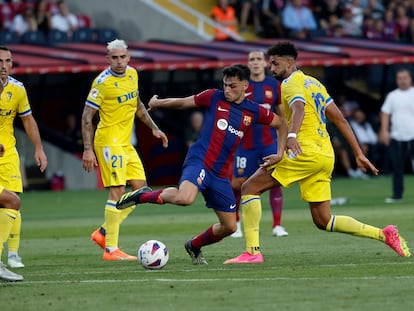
point(228, 116)
point(258, 142)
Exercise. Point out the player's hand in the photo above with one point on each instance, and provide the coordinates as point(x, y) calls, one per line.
point(293, 147)
point(364, 164)
point(271, 159)
point(89, 160)
point(1, 150)
point(161, 135)
point(41, 159)
point(152, 104)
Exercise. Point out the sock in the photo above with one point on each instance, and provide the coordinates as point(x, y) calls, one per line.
point(125, 213)
point(152, 197)
point(7, 217)
point(237, 196)
point(13, 242)
point(276, 203)
point(112, 219)
point(205, 238)
point(251, 213)
point(346, 224)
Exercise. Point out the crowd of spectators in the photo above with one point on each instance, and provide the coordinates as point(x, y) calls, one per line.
point(44, 18)
point(388, 20)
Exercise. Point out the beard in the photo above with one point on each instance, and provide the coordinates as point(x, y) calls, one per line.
point(280, 76)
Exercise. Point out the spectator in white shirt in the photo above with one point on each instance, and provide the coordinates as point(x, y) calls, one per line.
point(24, 22)
point(397, 130)
point(63, 20)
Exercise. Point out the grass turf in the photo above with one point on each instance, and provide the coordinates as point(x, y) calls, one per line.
point(309, 270)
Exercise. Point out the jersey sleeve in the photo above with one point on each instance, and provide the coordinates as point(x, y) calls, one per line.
point(203, 99)
point(292, 92)
point(24, 108)
point(95, 96)
point(265, 116)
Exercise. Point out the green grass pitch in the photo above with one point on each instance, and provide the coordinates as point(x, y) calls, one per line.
point(308, 270)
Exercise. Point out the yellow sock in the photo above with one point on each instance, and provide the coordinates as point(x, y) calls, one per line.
point(125, 213)
point(7, 218)
point(112, 218)
point(13, 242)
point(346, 224)
point(251, 215)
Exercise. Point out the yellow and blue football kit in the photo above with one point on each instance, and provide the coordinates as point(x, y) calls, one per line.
point(13, 102)
point(313, 168)
point(116, 98)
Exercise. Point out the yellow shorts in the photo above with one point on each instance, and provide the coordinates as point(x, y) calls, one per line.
point(313, 172)
point(10, 176)
point(119, 164)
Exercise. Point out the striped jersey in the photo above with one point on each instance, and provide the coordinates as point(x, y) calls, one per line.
point(225, 125)
point(266, 94)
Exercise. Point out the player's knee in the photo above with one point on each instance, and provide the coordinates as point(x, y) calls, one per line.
point(320, 226)
point(245, 188)
point(229, 229)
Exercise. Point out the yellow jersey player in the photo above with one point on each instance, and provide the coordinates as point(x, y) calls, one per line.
point(14, 102)
point(309, 160)
point(9, 207)
point(114, 93)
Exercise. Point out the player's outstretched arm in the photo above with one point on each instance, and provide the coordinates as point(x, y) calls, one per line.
point(335, 115)
point(171, 103)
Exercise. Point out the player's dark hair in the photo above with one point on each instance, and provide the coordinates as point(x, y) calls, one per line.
point(4, 48)
point(283, 49)
point(238, 70)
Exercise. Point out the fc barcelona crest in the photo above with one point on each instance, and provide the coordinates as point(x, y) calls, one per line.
point(247, 120)
point(268, 94)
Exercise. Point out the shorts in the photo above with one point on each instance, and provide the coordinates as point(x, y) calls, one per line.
point(313, 172)
point(246, 161)
point(10, 176)
point(119, 164)
point(217, 191)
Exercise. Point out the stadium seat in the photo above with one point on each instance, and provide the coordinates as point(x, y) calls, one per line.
point(83, 35)
point(56, 36)
point(84, 21)
point(105, 35)
point(9, 37)
point(34, 37)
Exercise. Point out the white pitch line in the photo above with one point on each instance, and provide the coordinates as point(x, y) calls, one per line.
point(139, 269)
point(163, 280)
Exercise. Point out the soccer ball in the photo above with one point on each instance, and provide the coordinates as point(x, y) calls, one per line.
point(153, 254)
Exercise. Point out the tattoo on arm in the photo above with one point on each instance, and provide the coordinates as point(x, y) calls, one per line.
point(144, 116)
point(87, 127)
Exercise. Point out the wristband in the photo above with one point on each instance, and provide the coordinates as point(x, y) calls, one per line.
point(292, 135)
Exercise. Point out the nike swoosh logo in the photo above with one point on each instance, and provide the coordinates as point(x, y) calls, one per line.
point(247, 94)
point(232, 206)
point(222, 109)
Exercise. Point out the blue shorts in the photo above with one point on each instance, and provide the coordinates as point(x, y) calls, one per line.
point(246, 161)
point(217, 191)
